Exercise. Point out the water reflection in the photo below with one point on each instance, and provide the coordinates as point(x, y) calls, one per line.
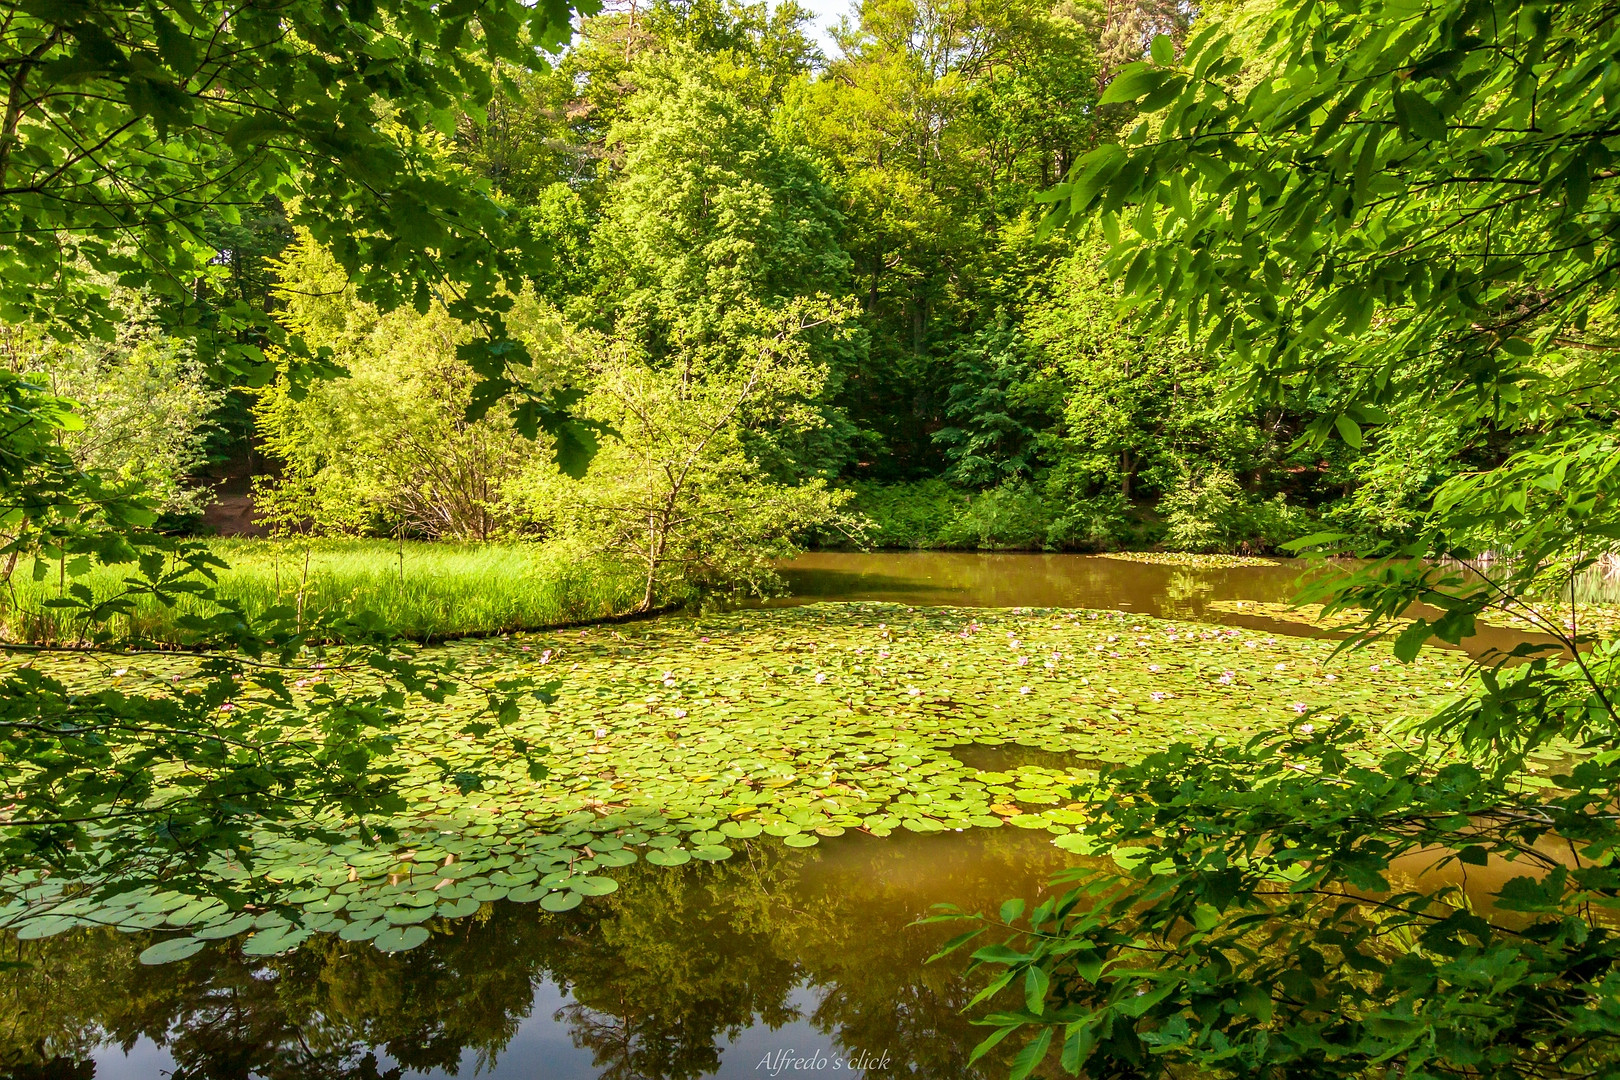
point(701, 970)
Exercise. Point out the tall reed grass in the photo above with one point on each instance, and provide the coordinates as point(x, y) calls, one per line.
point(422, 590)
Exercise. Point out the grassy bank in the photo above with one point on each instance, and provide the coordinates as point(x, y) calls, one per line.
point(423, 590)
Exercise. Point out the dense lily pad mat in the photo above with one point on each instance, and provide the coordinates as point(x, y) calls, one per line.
point(674, 739)
point(1188, 558)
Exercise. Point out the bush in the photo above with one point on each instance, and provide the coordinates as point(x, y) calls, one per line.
point(1215, 514)
point(1015, 516)
point(903, 515)
point(1010, 516)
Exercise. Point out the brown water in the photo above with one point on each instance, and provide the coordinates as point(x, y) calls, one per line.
point(772, 958)
point(701, 970)
point(973, 579)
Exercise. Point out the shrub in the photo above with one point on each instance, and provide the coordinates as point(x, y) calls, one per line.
point(1213, 513)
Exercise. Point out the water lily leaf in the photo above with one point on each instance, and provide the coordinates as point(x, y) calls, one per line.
point(276, 940)
point(224, 929)
point(669, 857)
point(400, 938)
point(50, 925)
point(523, 894)
point(405, 916)
point(172, 949)
point(362, 931)
point(801, 840)
point(561, 901)
point(711, 852)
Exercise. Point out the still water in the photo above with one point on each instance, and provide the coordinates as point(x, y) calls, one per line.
point(777, 962)
point(975, 579)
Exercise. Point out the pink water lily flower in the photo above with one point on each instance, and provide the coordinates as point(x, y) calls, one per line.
point(680, 714)
point(912, 691)
point(1376, 668)
point(1158, 695)
point(821, 677)
point(1300, 707)
point(1153, 668)
point(1022, 660)
point(1023, 689)
point(527, 648)
point(1306, 729)
point(1227, 677)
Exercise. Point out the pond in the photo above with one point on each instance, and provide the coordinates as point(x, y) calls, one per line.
point(783, 956)
point(1214, 594)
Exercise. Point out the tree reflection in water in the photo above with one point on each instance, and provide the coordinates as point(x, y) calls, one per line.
point(658, 976)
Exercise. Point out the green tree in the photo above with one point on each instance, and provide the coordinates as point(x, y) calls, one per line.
point(714, 219)
point(677, 488)
point(142, 402)
point(938, 120)
point(389, 448)
point(129, 129)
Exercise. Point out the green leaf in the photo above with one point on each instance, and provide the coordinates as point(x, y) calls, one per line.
point(1134, 82)
point(171, 949)
point(562, 901)
point(1031, 1055)
point(400, 938)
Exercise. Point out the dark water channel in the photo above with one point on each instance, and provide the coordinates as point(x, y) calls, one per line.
point(777, 962)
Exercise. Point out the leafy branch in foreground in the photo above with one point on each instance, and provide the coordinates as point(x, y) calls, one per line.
point(1409, 211)
point(123, 764)
point(1280, 910)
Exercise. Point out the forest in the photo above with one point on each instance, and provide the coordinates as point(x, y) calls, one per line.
point(609, 540)
point(817, 283)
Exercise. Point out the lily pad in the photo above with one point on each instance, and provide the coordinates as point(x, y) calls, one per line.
point(561, 901)
point(400, 938)
point(172, 949)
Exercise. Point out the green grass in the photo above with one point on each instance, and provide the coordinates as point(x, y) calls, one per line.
point(422, 590)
